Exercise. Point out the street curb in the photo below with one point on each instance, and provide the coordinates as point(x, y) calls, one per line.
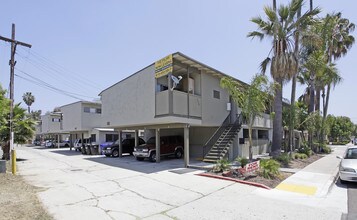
point(235, 180)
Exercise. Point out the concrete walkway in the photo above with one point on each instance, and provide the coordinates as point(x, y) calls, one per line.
point(95, 187)
point(315, 185)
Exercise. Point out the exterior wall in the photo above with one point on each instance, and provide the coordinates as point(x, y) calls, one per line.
point(132, 101)
point(75, 119)
point(48, 126)
point(72, 117)
point(90, 120)
point(214, 111)
point(198, 138)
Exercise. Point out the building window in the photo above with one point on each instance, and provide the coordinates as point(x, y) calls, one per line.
point(92, 110)
point(216, 94)
point(93, 138)
point(111, 137)
point(56, 120)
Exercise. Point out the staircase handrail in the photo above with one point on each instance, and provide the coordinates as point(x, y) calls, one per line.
point(238, 121)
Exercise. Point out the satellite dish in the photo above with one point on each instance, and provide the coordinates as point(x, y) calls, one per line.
point(175, 81)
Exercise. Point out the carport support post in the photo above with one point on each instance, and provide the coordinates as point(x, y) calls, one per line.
point(158, 145)
point(58, 141)
point(120, 144)
point(136, 138)
point(186, 146)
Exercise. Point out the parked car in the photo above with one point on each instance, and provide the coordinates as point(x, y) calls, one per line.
point(348, 165)
point(128, 145)
point(48, 143)
point(37, 143)
point(77, 144)
point(169, 146)
point(61, 144)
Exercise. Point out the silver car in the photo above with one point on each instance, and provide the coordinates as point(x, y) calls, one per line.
point(348, 165)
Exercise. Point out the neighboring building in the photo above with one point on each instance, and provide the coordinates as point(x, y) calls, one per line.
point(181, 96)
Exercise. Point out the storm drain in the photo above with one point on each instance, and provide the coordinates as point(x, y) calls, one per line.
point(182, 171)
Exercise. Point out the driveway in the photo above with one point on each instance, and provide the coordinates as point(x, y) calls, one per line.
point(95, 187)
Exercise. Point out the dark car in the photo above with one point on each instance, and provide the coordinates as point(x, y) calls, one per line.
point(128, 145)
point(169, 146)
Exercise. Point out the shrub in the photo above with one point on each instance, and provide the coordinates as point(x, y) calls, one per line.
point(243, 161)
point(269, 168)
point(283, 158)
point(305, 150)
point(221, 165)
point(300, 156)
point(325, 149)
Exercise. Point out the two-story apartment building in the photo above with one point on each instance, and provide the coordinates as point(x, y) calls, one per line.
point(83, 119)
point(178, 95)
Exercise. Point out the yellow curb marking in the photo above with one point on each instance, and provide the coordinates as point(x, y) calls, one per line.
point(307, 190)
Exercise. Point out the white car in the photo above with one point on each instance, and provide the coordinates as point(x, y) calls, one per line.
point(348, 165)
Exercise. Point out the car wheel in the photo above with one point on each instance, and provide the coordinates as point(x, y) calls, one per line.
point(66, 145)
point(115, 153)
point(153, 157)
point(178, 153)
point(140, 158)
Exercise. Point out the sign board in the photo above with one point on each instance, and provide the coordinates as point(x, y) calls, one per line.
point(164, 66)
point(252, 167)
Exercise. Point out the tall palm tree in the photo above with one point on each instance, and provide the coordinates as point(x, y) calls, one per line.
point(280, 26)
point(338, 41)
point(28, 99)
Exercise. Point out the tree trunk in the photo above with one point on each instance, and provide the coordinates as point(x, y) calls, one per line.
point(28, 109)
point(318, 100)
point(250, 142)
point(278, 120)
point(6, 151)
point(293, 89)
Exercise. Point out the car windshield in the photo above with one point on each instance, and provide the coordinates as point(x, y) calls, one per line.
point(116, 142)
point(151, 140)
point(351, 153)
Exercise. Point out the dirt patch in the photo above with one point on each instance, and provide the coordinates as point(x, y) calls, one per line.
point(301, 163)
point(18, 200)
point(272, 183)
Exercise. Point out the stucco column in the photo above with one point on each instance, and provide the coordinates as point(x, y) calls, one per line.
point(120, 144)
point(158, 153)
point(136, 138)
point(186, 146)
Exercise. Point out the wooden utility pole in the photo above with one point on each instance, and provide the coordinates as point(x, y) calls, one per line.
point(14, 44)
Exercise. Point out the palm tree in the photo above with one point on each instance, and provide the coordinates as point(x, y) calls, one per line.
point(280, 26)
point(338, 41)
point(28, 99)
point(252, 100)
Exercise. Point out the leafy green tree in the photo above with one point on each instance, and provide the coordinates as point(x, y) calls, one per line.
point(36, 115)
point(29, 99)
point(341, 129)
point(23, 126)
point(252, 99)
point(281, 26)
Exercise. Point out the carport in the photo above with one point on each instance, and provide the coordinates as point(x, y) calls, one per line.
point(158, 131)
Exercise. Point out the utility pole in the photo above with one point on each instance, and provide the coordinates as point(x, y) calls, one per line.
point(14, 44)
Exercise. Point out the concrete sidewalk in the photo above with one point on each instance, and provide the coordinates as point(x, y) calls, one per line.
point(313, 185)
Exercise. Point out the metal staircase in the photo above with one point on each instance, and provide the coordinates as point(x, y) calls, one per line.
point(222, 139)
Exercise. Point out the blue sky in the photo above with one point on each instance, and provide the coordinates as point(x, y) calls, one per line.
point(85, 46)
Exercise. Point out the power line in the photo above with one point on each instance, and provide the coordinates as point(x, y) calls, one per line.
point(62, 70)
point(51, 86)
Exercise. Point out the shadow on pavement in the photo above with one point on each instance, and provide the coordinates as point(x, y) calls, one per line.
point(130, 163)
point(67, 152)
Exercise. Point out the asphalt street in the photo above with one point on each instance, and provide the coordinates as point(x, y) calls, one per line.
point(352, 201)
